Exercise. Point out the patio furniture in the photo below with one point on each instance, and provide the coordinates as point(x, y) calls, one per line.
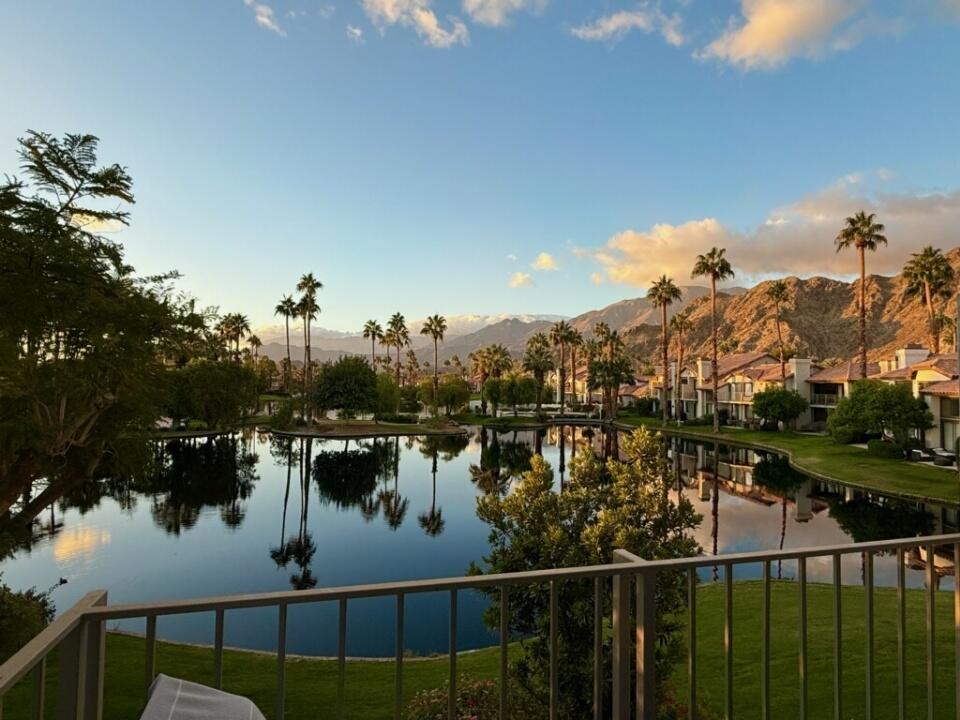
point(943, 458)
point(173, 699)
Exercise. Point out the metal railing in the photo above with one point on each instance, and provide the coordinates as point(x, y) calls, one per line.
point(79, 634)
point(739, 396)
point(824, 399)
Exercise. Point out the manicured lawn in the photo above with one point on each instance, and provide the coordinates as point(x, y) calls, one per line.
point(820, 455)
point(311, 684)
point(784, 664)
point(505, 420)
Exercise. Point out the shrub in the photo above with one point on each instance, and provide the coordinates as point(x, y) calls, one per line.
point(874, 407)
point(400, 419)
point(884, 449)
point(282, 418)
point(409, 402)
point(197, 425)
point(22, 615)
point(348, 385)
point(388, 396)
point(476, 700)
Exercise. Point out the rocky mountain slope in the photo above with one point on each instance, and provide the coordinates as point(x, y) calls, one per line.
point(820, 321)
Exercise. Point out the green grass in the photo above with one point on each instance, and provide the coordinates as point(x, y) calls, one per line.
point(820, 456)
point(784, 664)
point(311, 684)
point(505, 420)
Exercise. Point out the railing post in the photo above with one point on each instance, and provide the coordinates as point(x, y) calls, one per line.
point(646, 644)
point(80, 668)
point(621, 636)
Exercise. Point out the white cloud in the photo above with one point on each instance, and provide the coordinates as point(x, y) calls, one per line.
point(495, 12)
point(886, 174)
point(596, 278)
point(771, 32)
point(511, 257)
point(265, 17)
point(521, 279)
point(545, 261)
point(797, 238)
point(418, 15)
point(355, 33)
point(614, 27)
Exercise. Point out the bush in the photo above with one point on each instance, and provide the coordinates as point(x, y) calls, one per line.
point(409, 402)
point(348, 385)
point(875, 407)
point(476, 700)
point(22, 615)
point(282, 418)
point(197, 425)
point(400, 419)
point(388, 396)
point(884, 449)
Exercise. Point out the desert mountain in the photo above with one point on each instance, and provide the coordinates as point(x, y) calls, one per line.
point(820, 320)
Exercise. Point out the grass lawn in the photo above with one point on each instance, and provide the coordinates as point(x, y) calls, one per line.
point(311, 684)
point(819, 455)
point(506, 420)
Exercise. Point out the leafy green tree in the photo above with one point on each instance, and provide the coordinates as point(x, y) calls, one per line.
point(778, 405)
point(605, 506)
point(348, 385)
point(863, 233)
point(82, 338)
point(388, 396)
point(931, 278)
point(715, 266)
point(518, 390)
point(453, 394)
point(213, 395)
point(493, 393)
point(663, 294)
point(876, 407)
point(22, 616)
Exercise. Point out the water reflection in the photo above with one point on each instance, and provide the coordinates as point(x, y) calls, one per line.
point(249, 513)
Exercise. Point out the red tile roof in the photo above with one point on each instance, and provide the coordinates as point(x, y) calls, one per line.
point(947, 388)
point(844, 372)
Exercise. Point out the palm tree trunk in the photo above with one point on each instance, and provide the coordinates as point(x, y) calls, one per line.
point(783, 362)
point(436, 370)
point(373, 351)
point(666, 366)
point(286, 378)
point(398, 364)
point(863, 313)
point(713, 359)
point(931, 314)
point(573, 373)
point(677, 407)
point(563, 379)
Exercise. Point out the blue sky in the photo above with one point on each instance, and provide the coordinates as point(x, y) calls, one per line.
point(419, 155)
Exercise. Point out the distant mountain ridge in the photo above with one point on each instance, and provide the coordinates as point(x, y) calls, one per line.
point(820, 321)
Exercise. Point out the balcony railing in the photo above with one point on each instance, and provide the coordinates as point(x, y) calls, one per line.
point(78, 635)
point(738, 396)
point(825, 399)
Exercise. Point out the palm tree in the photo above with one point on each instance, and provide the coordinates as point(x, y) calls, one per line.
point(663, 294)
point(480, 371)
point(435, 326)
point(400, 336)
point(308, 286)
point(680, 324)
point(713, 265)
point(288, 308)
point(240, 328)
point(778, 292)
point(863, 233)
point(373, 332)
point(499, 360)
point(575, 341)
point(538, 361)
point(930, 277)
point(255, 344)
point(560, 335)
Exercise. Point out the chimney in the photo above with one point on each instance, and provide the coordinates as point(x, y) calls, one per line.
point(801, 371)
point(911, 355)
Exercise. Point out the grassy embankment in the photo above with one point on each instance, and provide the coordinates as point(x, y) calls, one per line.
point(820, 456)
point(311, 684)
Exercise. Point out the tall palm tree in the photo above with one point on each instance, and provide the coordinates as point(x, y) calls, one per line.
point(400, 336)
point(778, 292)
point(680, 324)
point(240, 328)
point(715, 266)
point(538, 361)
point(930, 277)
point(255, 344)
point(560, 335)
point(288, 308)
point(308, 285)
point(575, 341)
point(663, 293)
point(374, 333)
point(499, 360)
point(480, 372)
point(435, 326)
point(862, 232)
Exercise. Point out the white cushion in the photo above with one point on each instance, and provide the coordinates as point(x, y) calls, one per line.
point(173, 699)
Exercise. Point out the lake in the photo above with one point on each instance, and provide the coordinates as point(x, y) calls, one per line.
point(249, 513)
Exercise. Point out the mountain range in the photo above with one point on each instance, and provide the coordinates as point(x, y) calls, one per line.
point(819, 321)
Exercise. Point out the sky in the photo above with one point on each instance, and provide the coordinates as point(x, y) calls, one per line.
point(496, 156)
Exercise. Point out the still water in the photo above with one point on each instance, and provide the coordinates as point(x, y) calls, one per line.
point(254, 513)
